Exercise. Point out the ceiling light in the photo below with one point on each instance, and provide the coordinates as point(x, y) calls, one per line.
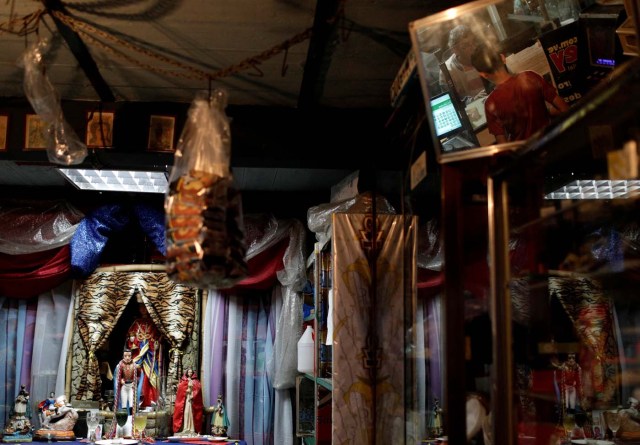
point(116, 180)
point(596, 189)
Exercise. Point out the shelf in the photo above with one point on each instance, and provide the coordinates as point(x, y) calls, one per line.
point(326, 383)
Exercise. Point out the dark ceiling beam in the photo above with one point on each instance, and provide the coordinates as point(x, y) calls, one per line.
point(81, 53)
point(324, 39)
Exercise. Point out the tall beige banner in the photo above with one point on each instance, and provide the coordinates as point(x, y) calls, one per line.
point(368, 339)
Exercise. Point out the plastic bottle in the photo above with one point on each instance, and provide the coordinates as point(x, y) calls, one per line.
point(305, 351)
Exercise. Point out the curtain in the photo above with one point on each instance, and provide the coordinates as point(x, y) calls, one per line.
point(591, 312)
point(172, 307)
point(103, 297)
point(50, 324)
point(34, 251)
point(237, 354)
point(213, 345)
point(35, 226)
point(17, 323)
point(28, 275)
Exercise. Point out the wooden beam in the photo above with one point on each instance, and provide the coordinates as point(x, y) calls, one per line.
point(81, 53)
point(321, 46)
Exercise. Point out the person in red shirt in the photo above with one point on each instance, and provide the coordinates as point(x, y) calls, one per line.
point(520, 103)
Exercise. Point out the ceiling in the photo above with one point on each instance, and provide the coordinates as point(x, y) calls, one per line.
point(301, 55)
point(262, 52)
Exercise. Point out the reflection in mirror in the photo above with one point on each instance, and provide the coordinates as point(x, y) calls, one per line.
point(538, 74)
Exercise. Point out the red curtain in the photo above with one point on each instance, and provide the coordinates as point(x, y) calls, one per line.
point(263, 267)
point(28, 275)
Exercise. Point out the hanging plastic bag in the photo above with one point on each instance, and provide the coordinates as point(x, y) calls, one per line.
point(204, 226)
point(63, 145)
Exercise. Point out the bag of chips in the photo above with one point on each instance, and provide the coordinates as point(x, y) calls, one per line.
point(204, 225)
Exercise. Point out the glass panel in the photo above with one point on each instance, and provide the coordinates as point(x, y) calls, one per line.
point(495, 73)
point(574, 249)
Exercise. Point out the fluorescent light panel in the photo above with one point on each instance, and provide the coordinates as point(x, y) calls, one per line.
point(596, 189)
point(116, 180)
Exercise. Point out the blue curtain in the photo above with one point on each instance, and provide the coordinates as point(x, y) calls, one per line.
point(17, 323)
point(239, 360)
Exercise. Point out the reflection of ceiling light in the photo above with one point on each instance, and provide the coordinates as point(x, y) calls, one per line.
point(596, 189)
point(117, 180)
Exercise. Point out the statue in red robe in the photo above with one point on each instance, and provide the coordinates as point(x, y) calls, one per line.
point(189, 408)
point(143, 339)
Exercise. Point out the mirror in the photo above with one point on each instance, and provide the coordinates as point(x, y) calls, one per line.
point(546, 37)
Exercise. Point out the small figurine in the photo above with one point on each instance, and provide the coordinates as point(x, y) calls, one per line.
point(143, 339)
point(220, 423)
point(58, 422)
point(18, 428)
point(437, 419)
point(571, 383)
point(187, 415)
point(47, 407)
point(125, 394)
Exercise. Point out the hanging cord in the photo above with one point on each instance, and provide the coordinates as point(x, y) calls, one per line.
point(99, 38)
point(23, 25)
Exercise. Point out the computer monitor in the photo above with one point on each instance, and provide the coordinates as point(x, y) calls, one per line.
point(599, 24)
point(445, 116)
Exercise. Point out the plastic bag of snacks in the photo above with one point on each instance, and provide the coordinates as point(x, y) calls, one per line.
point(204, 228)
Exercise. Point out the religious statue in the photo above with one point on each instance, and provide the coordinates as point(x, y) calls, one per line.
point(18, 427)
point(125, 388)
point(435, 421)
point(570, 383)
point(47, 407)
point(220, 422)
point(58, 419)
point(143, 339)
point(62, 418)
point(188, 411)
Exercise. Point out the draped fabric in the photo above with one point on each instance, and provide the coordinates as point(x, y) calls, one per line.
point(93, 232)
point(35, 226)
point(34, 251)
point(51, 320)
point(17, 323)
point(103, 297)
point(591, 313)
point(61, 379)
point(236, 357)
point(274, 254)
point(263, 267)
point(213, 345)
point(29, 275)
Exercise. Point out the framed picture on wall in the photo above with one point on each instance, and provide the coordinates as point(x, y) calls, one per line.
point(99, 129)
point(161, 131)
point(4, 126)
point(35, 133)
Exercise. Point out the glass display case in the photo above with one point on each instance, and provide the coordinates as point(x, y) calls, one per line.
point(498, 334)
point(565, 261)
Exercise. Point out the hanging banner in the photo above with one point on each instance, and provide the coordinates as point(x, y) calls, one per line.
point(368, 366)
point(561, 49)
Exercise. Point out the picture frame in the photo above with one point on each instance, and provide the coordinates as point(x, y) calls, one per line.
point(4, 128)
point(35, 137)
point(598, 427)
point(161, 133)
point(99, 129)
